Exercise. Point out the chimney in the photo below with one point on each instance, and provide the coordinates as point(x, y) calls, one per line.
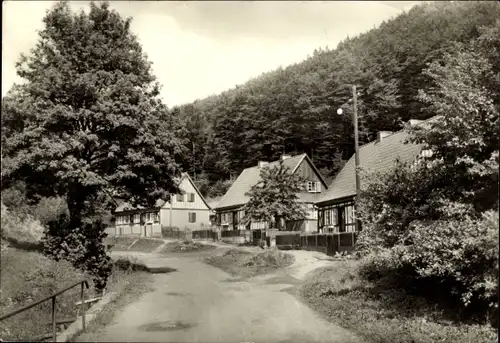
point(262, 164)
point(284, 157)
point(382, 134)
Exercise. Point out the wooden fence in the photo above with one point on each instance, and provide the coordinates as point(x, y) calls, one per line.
point(204, 234)
point(328, 243)
point(173, 233)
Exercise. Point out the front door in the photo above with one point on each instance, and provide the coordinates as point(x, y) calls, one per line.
point(341, 219)
point(235, 220)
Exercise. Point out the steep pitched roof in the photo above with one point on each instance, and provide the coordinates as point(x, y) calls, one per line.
point(123, 206)
point(373, 157)
point(186, 175)
point(213, 202)
point(235, 196)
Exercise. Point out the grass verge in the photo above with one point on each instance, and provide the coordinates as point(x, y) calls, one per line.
point(129, 285)
point(244, 263)
point(383, 315)
point(185, 247)
point(28, 276)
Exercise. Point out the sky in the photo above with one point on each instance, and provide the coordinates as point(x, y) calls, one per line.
point(203, 48)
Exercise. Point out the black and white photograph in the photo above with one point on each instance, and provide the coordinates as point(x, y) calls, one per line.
point(250, 171)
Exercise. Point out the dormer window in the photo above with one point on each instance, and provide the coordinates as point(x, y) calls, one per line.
point(313, 186)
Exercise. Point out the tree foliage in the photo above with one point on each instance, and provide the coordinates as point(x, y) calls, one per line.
point(434, 220)
point(274, 198)
point(293, 109)
point(87, 125)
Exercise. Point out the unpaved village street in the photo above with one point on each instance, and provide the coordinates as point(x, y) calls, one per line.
point(201, 303)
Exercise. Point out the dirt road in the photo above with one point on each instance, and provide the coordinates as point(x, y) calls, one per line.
point(200, 303)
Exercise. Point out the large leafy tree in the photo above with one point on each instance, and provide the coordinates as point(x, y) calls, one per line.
point(274, 198)
point(436, 218)
point(465, 95)
point(87, 124)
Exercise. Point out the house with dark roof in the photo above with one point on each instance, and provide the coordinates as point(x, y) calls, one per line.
point(229, 211)
point(187, 210)
point(336, 205)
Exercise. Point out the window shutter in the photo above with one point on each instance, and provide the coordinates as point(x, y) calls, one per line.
point(318, 186)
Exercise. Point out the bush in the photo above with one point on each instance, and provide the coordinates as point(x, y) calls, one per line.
point(21, 230)
point(445, 261)
point(271, 259)
point(128, 265)
point(83, 247)
point(465, 253)
point(49, 209)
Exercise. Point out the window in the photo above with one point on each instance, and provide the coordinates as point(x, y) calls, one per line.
point(313, 186)
point(148, 217)
point(137, 218)
point(192, 217)
point(131, 221)
point(349, 220)
point(331, 219)
point(180, 197)
point(191, 197)
point(157, 217)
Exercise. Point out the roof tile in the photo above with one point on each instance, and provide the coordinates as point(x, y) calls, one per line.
point(373, 157)
point(235, 196)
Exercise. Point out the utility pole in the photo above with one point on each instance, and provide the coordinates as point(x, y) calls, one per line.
point(194, 163)
point(356, 140)
point(356, 147)
point(356, 143)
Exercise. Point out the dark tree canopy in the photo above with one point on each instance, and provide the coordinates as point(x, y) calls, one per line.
point(293, 109)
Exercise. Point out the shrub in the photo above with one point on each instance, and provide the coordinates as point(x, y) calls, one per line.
point(464, 252)
point(271, 258)
point(49, 209)
point(81, 246)
point(128, 265)
point(445, 260)
point(20, 229)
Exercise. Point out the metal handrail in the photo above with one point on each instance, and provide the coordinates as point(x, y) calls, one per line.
point(53, 297)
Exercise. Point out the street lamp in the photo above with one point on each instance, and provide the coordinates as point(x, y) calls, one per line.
point(356, 141)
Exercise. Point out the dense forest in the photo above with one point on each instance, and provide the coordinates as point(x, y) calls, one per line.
point(294, 109)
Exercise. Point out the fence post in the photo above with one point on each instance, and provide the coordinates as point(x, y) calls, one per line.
point(316, 236)
point(54, 328)
point(83, 308)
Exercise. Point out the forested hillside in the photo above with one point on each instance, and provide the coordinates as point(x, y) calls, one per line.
point(294, 109)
